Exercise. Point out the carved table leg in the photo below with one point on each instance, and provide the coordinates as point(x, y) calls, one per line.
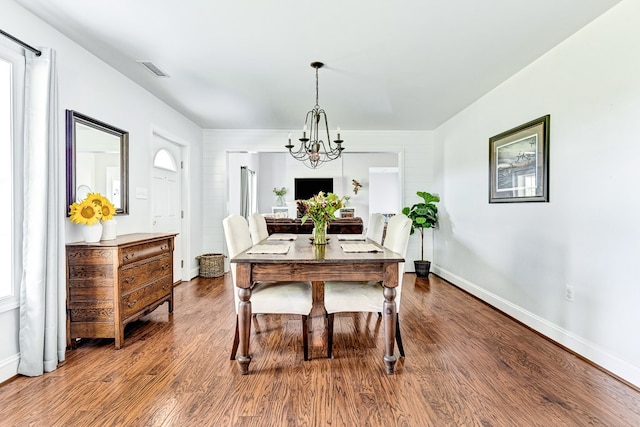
point(389, 317)
point(244, 329)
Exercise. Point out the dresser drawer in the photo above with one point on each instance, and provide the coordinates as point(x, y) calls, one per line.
point(131, 254)
point(139, 299)
point(135, 276)
point(82, 256)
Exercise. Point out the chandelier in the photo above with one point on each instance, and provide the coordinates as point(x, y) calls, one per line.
point(313, 151)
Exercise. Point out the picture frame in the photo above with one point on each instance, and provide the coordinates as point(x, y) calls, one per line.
point(519, 163)
point(347, 213)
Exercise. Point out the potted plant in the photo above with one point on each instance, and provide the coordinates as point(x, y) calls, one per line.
point(423, 215)
point(280, 192)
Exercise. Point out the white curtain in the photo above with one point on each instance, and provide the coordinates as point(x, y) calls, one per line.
point(42, 335)
point(246, 191)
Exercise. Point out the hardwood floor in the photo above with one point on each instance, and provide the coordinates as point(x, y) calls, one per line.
point(466, 364)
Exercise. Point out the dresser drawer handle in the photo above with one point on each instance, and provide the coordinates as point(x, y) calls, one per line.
point(165, 287)
point(165, 266)
point(128, 256)
point(132, 304)
point(130, 280)
point(164, 247)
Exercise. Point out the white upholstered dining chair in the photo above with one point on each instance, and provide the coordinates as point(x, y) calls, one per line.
point(266, 297)
point(257, 228)
point(350, 297)
point(375, 228)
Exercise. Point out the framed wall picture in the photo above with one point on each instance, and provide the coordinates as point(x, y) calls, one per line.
point(347, 213)
point(519, 163)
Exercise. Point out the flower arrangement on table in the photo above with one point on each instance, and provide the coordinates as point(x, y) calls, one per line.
point(320, 209)
point(94, 208)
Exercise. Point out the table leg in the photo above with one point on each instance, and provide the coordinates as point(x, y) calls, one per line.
point(244, 329)
point(389, 319)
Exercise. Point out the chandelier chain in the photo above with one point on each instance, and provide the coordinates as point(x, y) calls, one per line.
point(317, 103)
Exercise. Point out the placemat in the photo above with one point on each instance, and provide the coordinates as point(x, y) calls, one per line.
point(282, 236)
point(269, 249)
point(360, 247)
point(348, 237)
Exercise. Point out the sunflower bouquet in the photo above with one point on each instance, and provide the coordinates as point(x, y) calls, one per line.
point(92, 209)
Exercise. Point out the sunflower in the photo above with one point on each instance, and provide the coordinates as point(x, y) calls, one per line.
point(107, 208)
point(85, 212)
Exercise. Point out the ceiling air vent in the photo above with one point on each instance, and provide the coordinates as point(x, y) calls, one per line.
point(153, 68)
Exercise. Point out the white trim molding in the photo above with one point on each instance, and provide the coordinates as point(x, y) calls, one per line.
point(575, 343)
point(9, 367)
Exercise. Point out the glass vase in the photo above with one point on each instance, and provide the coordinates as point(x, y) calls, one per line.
point(280, 201)
point(320, 233)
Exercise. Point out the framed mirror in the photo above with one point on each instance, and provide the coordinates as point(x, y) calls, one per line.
point(97, 160)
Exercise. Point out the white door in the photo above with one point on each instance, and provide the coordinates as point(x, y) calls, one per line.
point(166, 197)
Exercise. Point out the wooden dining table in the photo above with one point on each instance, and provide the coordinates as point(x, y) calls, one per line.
point(317, 263)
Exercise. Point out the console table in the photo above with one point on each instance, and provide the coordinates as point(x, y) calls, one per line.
point(295, 226)
point(114, 282)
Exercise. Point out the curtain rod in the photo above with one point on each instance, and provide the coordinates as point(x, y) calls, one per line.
point(21, 43)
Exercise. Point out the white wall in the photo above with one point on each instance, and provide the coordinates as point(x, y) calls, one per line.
point(383, 196)
point(416, 170)
point(88, 85)
point(521, 256)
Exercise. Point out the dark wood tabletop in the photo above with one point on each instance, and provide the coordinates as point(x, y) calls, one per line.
point(302, 250)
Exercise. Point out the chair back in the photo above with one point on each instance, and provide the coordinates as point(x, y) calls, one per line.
point(375, 229)
point(238, 238)
point(257, 228)
point(397, 240)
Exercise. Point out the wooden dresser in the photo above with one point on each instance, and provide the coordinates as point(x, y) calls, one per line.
point(114, 282)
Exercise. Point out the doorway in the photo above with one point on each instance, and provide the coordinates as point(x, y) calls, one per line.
point(166, 197)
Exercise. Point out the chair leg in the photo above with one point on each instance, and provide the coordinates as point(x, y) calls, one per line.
point(305, 337)
point(236, 341)
point(329, 335)
point(398, 336)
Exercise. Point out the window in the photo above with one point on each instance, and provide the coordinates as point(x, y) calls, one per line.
point(11, 92)
point(164, 160)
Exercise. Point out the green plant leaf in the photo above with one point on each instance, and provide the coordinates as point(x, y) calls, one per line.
point(423, 215)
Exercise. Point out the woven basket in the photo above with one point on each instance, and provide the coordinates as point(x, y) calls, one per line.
point(211, 265)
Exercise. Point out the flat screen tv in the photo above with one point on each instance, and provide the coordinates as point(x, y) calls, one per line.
point(306, 188)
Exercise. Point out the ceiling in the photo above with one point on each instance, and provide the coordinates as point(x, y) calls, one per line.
point(243, 64)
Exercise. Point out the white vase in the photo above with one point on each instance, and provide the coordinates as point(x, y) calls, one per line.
point(109, 229)
point(92, 233)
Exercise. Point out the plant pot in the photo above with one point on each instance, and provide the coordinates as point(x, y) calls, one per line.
point(422, 268)
point(109, 229)
point(92, 233)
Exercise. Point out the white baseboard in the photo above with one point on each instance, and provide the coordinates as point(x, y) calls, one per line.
point(575, 343)
point(9, 367)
